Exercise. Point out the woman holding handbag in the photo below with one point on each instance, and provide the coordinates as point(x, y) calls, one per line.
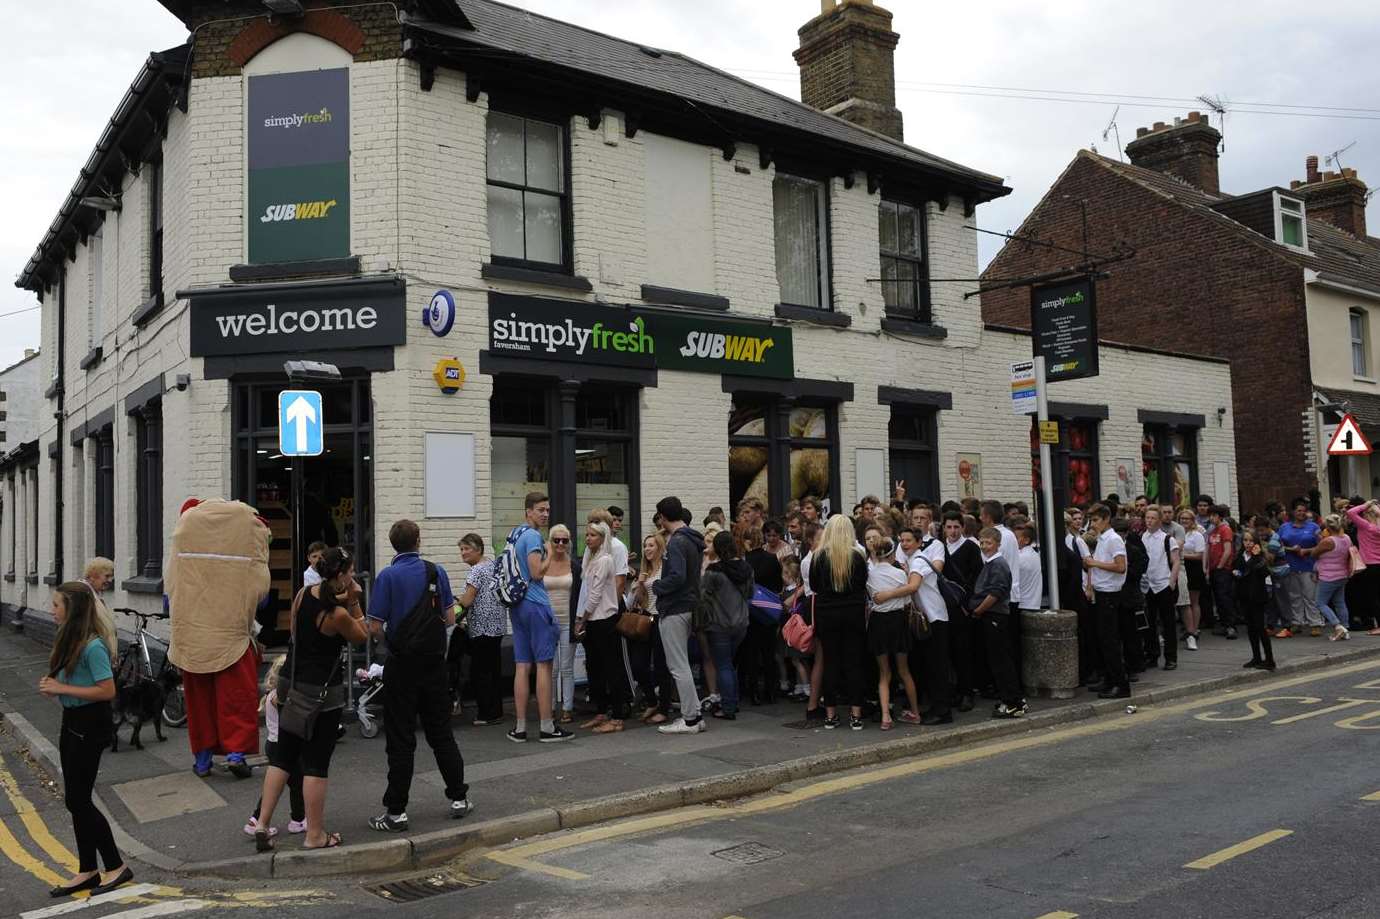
point(596, 626)
point(324, 617)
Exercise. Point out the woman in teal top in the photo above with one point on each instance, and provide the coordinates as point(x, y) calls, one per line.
point(80, 677)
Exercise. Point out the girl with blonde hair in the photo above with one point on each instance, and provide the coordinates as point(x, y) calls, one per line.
point(838, 577)
point(608, 679)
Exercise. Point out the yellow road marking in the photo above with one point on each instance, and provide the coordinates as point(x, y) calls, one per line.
point(1241, 848)
point(521, 855)
point(1373, 796)
point(16, 853)
point(1255, 708)
point(1345, 704)
point(1058, 915)
point(516, 861)
point(29, 816)
point(1356, 722)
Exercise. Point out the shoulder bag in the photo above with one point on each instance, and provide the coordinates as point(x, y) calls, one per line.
point(800, 635)
point(304, 702)
point(634, 625)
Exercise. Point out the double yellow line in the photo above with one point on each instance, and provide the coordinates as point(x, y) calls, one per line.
point(15, 851)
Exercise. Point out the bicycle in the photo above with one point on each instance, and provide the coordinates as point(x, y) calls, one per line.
point(135, 667)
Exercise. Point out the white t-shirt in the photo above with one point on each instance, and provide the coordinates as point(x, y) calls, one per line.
point(310, 578)
point(1157, 573)
point(1011, 551)
point(805, 573)
point(931, 600)
point(931, 549)
point(619, 553)
point(1195, 542)
point(1032, 579)
point(882, 576)
point(1109, 546)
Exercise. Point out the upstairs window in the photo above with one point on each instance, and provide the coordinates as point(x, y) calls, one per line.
point(1360, 342)
point(801, 213)
point(905, 276)
point(1290, 222)
point(528, 201)
point(95, 329)
point(155, 174)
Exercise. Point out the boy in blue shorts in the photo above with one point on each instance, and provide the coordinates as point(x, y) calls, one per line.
point(535, 632)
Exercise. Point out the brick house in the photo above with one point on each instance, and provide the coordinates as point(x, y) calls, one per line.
point(1282, 282)
point(655, 278)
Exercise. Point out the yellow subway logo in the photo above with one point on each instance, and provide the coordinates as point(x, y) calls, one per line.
point(305, 210)
point(726, 347)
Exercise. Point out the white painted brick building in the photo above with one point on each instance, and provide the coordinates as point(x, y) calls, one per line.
point(420, 138)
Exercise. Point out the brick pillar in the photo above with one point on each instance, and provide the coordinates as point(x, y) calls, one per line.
point(847, 67)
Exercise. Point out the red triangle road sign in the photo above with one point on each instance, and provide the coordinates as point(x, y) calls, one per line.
point(1348, 440)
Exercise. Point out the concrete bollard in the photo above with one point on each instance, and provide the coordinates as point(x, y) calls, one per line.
point(1049, 653)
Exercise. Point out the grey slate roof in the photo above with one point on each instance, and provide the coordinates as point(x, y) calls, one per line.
point(508, 30)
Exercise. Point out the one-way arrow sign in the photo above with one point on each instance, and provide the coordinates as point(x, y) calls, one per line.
point(1348, 439)
point(300, 422)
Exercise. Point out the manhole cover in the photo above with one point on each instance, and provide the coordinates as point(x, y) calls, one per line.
point(748, 853)
point(409, 890)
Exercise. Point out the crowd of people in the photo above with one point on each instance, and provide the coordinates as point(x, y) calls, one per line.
point(901, 611)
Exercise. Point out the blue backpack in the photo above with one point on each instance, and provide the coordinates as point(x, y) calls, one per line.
point(765, 607)
point(512, 586)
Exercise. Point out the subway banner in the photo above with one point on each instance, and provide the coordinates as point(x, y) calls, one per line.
point(299, 166)
point(623, 336)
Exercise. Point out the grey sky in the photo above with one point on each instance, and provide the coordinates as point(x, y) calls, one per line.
point(65, 64)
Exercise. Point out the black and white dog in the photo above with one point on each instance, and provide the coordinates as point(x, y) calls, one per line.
point(139, 702)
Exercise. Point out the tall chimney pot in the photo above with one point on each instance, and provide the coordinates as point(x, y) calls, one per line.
point(847, 64)
point(1187, 150)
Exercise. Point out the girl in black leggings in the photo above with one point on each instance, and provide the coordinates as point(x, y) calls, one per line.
point(80, 676)
point(1252, 597)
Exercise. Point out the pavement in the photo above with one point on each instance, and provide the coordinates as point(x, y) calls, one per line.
point(170, 820)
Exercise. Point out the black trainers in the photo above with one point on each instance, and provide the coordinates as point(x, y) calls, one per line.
point(1115, 692)
point(1009, 711)
point(855, 724)
point(461, 808)
point(518, 736)
point(831, 723)
point(387, 823)
point(553, 736)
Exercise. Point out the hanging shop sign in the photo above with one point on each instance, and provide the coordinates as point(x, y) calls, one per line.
point(563, 330)
point(439, 315)
point(1063, 323)
point(299, 166)
point(351, 314)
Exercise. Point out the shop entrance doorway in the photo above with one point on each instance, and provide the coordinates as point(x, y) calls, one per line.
point(338, 484)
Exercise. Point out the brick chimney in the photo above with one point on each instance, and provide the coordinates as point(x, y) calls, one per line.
point(1187, 149)
point(1336, 197)
point(847, 68)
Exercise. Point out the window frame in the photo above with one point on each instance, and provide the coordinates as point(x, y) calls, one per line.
point(779, 444)
point(95, 323)
point(103, 458)
point(148, 489)
point(567, 263)
point(923, 310)
point(156, 199)
point(824, 268)
point(929, 417)
point(1280, 212)
point(1166, 459)
point(1062, 453)
point(1361, 344)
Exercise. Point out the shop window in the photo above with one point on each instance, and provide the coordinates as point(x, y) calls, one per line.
point(148, 490)
point(154, 171)
point(1169, 464)
point(1360, 339)
point(905, 275)
point(1076, 480)
point(800, 447)
point(337, 485)
point(912, 434)
point(801, 215)
point(528, 201)
point(104, 458)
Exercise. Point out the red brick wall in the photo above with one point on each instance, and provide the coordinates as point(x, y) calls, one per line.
point(1194, 286)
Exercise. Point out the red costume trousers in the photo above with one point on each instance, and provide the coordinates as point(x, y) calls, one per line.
point(223, 707)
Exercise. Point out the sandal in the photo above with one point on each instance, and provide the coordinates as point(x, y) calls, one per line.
point(332, 840)
point(909, 717)
point(610, 726)
point(595, 721)
point(657, 718)
point(567, 717)
point(263, 842)
point(888, 725)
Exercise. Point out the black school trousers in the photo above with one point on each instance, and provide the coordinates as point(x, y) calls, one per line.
point(414, 689)
point(1108, 612)
point(85, 735)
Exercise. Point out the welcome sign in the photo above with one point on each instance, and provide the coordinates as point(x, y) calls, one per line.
point(299, 166)
point(355, 314)
point(623, 336)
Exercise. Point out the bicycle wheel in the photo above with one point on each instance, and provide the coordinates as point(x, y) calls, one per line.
point(175, 708)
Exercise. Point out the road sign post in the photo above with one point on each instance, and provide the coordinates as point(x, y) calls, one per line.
point(301, 433)
point(1348, 439)
point(1049, 537)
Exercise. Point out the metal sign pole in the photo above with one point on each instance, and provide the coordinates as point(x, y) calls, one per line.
point(1050, 536)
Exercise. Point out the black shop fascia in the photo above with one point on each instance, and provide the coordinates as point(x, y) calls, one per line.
point(245, 333)
point(567, 375)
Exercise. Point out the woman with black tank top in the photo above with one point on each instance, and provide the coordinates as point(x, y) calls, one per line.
point(325, 617)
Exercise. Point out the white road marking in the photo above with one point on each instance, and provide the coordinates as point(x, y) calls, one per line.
point(166, 908)
point(71, 906)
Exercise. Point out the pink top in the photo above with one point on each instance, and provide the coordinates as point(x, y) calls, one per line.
point(1334, 565)
point(1367, 536)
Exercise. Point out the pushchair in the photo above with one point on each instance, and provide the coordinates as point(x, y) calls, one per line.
point(367, 711)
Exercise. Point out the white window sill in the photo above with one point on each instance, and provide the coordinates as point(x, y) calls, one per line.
point(1364, 379)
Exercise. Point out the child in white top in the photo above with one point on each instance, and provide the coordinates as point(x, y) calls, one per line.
point(269, 706)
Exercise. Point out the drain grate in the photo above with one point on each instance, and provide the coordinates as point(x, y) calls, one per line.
point(410, 890)
point(748, 853)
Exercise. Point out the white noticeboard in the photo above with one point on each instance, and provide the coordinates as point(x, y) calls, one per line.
point(1023, 399)
point(1221, 487)
point(449, 475)
point(871, 475)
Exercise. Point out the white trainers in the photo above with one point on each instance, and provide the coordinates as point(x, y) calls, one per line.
point(680, 727)
point(1340, 633)
point(1192, 643)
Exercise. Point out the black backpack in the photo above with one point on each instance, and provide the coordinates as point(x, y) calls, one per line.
point(423, 632)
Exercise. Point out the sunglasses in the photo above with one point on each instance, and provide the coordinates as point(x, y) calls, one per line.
point(561, 542)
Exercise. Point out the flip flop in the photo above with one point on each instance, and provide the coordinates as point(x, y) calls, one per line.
point(332, 840)
point(263, 842)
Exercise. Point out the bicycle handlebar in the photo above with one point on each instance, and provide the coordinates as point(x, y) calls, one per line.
point(139, 615)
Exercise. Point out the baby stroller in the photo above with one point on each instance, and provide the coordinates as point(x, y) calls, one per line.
point(366, 709)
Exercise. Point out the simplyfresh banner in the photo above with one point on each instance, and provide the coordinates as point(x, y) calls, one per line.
point(561, 330)
point(299, 166)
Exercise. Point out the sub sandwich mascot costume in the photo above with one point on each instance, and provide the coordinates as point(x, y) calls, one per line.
point(216, 578)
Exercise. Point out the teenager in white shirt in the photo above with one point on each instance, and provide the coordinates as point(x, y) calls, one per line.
point(1162, 582)
point(1108, 567)
point(1031, 571)
point(888, 629)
